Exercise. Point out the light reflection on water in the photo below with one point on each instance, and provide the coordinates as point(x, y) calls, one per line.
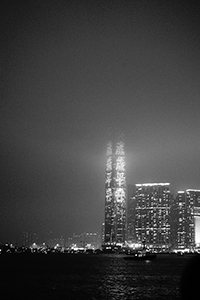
point(96, 277)
point(140, 280)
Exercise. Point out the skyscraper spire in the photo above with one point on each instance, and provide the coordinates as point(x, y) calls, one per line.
point(115, 187)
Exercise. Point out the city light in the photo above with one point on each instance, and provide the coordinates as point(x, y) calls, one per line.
point(151, 184)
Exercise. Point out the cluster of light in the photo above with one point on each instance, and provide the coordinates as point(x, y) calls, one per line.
point(119, 194)
point(91, 233)
point(75, 248)
point(109, 179)
point(56, 246)
point(119, 244)
point(34, 246)
point(108, 194)
point(183, 250)
point(120, 179)
point(133, 245)
point(120, 164)
point(151, 184)
point(151, 208)
point(120, 148)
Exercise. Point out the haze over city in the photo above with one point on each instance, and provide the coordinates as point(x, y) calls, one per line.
point(73, 70)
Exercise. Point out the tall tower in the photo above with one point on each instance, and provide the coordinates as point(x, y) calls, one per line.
point(115, 187)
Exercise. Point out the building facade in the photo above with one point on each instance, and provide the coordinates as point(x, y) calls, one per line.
point(186, 220)
point(193, 216)
point(152, 215)
point(179, 221)
point(115, 193)
point(131, 203)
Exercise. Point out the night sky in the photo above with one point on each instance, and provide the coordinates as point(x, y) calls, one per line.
point(70, 71)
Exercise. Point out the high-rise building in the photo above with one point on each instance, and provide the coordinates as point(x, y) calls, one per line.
point(115, 188)
point(193, 217)
point(131, 203)
point(179, 221)
point(152, 220)
point(186, 220)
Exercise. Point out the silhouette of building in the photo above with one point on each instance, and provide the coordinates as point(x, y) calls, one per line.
point(115, 188)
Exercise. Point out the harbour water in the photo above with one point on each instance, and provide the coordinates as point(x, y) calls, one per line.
point(95, 277)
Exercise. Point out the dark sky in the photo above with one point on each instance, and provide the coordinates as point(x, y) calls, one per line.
point(70, 70)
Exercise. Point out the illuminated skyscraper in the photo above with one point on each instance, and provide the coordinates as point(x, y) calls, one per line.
point(130, 212)
point(186, 220)
point(179, 221)
point(152, 220)
point(115, 187)
point(193, 217)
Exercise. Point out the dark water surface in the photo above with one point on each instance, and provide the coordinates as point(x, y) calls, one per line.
point(94, 277)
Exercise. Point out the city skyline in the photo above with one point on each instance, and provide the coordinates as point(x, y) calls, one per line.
point(162, 221)
point(72, 70)
point(165, 222)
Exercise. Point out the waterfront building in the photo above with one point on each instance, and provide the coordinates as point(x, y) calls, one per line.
point(85, 240)
point(152, 215)
point(179, 221)
point(185, 216)
point(131, 203)
point(115, 192)
point(193, 217)
point(102, 233)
